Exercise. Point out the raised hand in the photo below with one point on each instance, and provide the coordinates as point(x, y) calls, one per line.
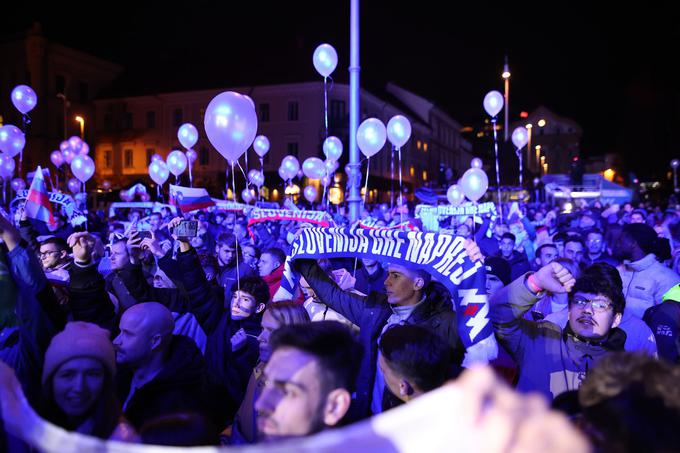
point(473, 251)
point(83, 244)
point(151, 244)
point(555, 278)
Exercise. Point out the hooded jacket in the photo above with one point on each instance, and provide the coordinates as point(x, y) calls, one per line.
point(645, 282)
point(551, 360)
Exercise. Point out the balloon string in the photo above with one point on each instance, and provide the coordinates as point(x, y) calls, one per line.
point(392, 178)
point(325, 103)
point(191, 178)
point(233, 188)
point(519, 154)
point(401, 191)
point(498, 174)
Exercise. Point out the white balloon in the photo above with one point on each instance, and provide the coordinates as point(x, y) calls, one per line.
point(325, 59)
point(371, 136)
point(332, 148)
point(476, 163)
point(455, 195)
point(398, 130)
point(520, 137)
point(261, 145)
point(313, 168)
point(493, 103)
point(310, 193)
point(177, 162)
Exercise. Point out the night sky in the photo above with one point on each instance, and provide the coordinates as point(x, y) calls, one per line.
point(613, 71)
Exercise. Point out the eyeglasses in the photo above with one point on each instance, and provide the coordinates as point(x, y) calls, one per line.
point(594, 241)
point(598, 305)
point(44, 254)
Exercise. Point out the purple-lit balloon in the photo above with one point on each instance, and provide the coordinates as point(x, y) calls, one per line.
point(73, 185)
point(82, 167)
point(7, 165)
point(520, 137)
point(187, 135)
point(313, 168)
point(247, 195)
point(156, 157)
point(84, 148)
point(261, 145)
point(158, 171)
point(12, 140)
point(476, 162)
point(231, 124)
point(325, 59)
point(191, 156)
point(106, 184)
point(474, 183)
point(332, 148)
point(57, 158)
point(398, 130)
point(371, 136)
point(177, 162)
point(290, 166)
point(256, 177)
point(493, 103)
point(18, 184)
point(455, 195)
point(331, 166)
point(75, 143)
point(24, 98)
point(311, 193)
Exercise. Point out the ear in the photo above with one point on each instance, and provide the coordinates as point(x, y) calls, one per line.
point(63, 254)
point(156, 341)
point(259, 308)
point(418, 283)
point(405, 388)
point(617, 320)
point(337, 405)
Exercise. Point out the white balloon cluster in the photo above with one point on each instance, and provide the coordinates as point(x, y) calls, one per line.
point(472, 185)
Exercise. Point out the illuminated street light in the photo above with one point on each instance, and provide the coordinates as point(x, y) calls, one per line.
point(541, 122)
point(506, 78)
point(79, 119)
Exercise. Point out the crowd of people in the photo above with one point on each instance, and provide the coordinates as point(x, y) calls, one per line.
point(146, 336)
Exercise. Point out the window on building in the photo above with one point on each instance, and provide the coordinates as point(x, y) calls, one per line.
point(149, 155)
point(292, 149)
point(177, 117)
point(60, 84)
point(128, 121)
point(293, 111)
point(204, 158)
point(419, 144)
point(108, 158)
point(425, 146)
point(83, 92)
point(424, 175)
point(128, 162)
point(151, 119)
point(264, 113)
point(337, 109)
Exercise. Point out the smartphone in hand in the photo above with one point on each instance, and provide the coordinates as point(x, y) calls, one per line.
point(187, 229)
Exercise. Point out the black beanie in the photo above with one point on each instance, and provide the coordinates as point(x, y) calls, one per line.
point(499, 267)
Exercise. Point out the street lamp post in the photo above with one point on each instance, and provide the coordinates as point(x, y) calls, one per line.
point(529, 126)
point(79, 119)
point(506, 77)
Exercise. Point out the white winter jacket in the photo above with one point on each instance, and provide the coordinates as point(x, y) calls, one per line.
point(645, 282)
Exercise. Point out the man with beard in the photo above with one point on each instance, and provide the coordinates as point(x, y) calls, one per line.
point(309, 380)
point(553, 360)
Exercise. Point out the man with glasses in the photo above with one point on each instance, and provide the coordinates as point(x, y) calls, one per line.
point(553, 360)
point(596, 249)
point(54, 257)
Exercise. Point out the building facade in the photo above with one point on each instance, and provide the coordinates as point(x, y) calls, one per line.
point(130, 130)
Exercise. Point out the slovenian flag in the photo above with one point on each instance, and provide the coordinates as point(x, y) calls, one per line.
point(38, 201)
point(190, 199)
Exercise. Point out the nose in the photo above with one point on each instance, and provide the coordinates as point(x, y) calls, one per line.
point(266, 403)
point(79, 382)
